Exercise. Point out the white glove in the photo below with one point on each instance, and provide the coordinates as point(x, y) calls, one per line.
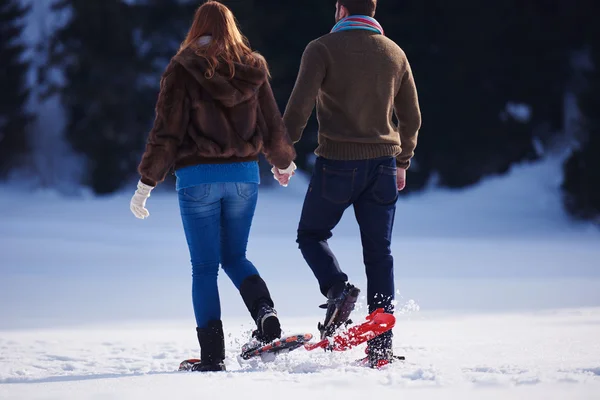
point(283, 176)
point(138, 201)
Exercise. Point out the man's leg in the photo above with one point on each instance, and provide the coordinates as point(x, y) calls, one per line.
point(332, 190)
point(375, 211)
point(321, 212)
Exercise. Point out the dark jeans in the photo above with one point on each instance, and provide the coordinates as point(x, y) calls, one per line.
point(369, 186)
point(217, 219)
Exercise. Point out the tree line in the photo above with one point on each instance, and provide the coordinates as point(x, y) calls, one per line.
point(492, 79)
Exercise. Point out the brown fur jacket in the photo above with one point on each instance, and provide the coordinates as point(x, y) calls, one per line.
point(217, 120)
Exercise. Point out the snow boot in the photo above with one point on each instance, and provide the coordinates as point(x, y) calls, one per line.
point(341, 300)
point(258, 300)
point(267, 323)
point(379, 351)
point(212, 348)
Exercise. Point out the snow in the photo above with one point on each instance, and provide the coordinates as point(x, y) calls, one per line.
point(511, 354)
point(498, 297)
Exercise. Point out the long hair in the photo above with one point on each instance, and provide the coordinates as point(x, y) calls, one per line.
point(227, 46)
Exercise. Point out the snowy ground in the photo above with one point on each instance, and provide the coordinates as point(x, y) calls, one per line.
point(499, 297)
point(545, 353)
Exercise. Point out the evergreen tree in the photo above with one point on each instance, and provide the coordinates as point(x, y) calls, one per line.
point(489, 74)
point(106, 94)
point(581, 184)
point(14, 118)
point(280, 31)
point(162, 26)
point(582, 176)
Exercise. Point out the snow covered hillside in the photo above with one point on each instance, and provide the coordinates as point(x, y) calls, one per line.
point(498, 297)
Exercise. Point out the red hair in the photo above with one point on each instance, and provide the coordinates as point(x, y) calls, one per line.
point(227, 46)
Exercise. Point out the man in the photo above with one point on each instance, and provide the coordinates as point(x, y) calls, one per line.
point(359, 78)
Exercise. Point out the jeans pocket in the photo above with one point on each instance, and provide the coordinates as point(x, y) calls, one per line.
point(196, 193)
point(338, 184)
point(246, 190)
point(385, 189)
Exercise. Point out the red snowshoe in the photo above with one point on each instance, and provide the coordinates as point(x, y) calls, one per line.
point(377, 323)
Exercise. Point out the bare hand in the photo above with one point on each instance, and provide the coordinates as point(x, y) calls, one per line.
point(401, 179)
point(283, 179)
point(284, 176)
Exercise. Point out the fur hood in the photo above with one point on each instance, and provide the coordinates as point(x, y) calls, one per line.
point(230, 92)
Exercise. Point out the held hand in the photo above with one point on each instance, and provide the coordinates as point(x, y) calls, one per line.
point(401, 179)
point(138, 201)
point(283, 176)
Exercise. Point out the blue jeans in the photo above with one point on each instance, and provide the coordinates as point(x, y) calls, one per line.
point(217, 219)
point(370, 186)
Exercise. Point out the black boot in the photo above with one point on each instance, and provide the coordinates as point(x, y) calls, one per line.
point(341, 300)
point(379, 351)
point(212, 348)
point(267, 324)
point(258, 300)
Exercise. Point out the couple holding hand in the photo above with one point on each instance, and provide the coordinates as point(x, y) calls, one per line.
point(216, 113)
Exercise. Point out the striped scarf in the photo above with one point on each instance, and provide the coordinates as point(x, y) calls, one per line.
point(358, 22)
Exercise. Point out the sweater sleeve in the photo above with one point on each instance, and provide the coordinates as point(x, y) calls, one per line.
point(302, 101)
point(278, 148)
point(406, 105)
point(170, 126)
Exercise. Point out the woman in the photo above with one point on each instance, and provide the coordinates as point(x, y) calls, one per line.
point(215, 114)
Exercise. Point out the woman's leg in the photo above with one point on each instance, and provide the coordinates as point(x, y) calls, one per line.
point(238, 209)
point(201, 214)
point(237, 214)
